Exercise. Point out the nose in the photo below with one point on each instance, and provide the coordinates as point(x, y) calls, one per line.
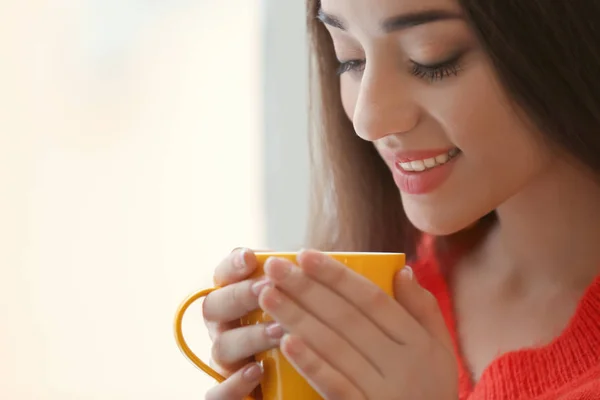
point(384, 105)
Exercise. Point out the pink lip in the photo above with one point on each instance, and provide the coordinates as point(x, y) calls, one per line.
point(419, 182)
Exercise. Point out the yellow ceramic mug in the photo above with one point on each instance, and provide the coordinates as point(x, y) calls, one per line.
point(280, 380)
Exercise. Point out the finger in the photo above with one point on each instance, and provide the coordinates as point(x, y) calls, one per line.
point(331, 347)
point(230, 303)
point(334, 311)
point(226, 372)
point(363, 293)
point(237, 266)
point(331, 384)
point(216, 328)
point(239, 385)
point(231, 347)
point(422, 305)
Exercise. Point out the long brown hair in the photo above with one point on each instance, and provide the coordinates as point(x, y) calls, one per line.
point(546, 54)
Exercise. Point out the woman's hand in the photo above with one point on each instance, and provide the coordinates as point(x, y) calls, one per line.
point(234, 346)
point(351, 341)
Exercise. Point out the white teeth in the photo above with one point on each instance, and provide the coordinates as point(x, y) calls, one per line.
point(442, 158)
point(427, 163)
point(418, 165)
point(430, 162)
point(406, 166)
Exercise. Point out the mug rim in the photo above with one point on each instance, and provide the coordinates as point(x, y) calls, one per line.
point(331, 253)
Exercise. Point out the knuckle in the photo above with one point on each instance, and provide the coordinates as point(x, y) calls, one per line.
point(346, 317)
point(207, 310)
point(210, 310)
point(242, 297)
point(255, 340)
point(239, 296)
point(340, 275)
point(339, 392)
point(331, 345)
point(217, 349)
point(375, 299)
point(298, 318)
point(251, 340)
point(311, 366)
point(235, 297)
point(229, 303)
point(231, 347)
point(219, 368)
point(212, 329)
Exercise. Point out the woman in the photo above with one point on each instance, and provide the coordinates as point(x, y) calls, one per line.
point(467, 135)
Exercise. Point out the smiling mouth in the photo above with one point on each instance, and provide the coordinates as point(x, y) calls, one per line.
point(429, 163)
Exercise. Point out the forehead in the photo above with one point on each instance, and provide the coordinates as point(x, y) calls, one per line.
point(370, 13)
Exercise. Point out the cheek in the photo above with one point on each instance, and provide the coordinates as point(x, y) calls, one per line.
point(501, 155)
point(495, 137)
point(498, 140)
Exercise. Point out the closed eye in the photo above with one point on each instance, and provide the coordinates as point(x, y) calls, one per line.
point(351, 66)
point(438, 71)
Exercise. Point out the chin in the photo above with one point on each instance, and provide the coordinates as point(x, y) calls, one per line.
point(439, 223)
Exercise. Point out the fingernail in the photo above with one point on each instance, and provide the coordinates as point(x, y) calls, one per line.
point(315, 256)
point(274, 331)
point(278, 268)
point(240, 259)
point(300, 252)
point(303, 251)
point(407, 273)
point(293, 345)
point(252, 372)
point(260, 285)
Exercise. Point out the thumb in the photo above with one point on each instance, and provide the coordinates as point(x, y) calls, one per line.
point(421, 305)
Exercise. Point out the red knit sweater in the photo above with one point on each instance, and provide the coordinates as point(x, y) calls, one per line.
point(566, 369)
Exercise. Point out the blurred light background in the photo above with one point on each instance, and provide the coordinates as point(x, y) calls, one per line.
point(140, 141)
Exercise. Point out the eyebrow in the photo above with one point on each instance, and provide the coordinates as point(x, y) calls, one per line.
point(396, 23)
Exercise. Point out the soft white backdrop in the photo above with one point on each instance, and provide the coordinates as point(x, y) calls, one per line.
point(131, 154)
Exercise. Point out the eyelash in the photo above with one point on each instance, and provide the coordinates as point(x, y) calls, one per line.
point(431, 73)
point(350, 66)
point(437, 72)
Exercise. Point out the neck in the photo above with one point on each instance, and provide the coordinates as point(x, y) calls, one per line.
point(551, 229)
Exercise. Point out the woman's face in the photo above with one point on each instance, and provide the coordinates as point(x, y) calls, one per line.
point(415, 82)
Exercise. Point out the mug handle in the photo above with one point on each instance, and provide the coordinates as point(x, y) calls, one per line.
point(180, 339)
